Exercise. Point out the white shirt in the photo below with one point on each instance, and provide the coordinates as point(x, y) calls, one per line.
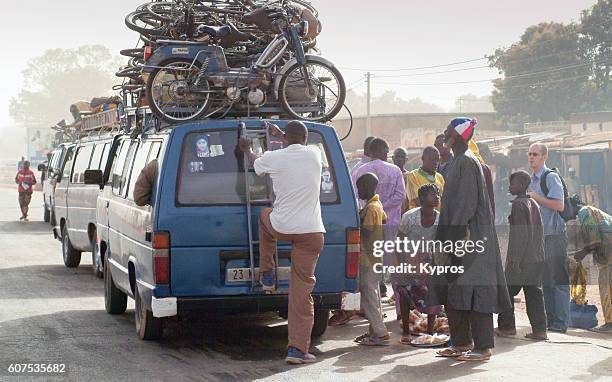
point(296, 179)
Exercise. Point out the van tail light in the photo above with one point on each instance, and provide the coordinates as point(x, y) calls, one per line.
point(148, 52)
point(161, 240)
point(353, 239)
point(161, 257)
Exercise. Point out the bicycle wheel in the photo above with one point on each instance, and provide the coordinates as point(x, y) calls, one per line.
point(165, 11)
point(320, 100)
point(129, 71)
point(143, 23)
point(173, 95)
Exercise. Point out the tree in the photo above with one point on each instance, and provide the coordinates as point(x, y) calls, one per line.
point(596, 47)
point(58, 78)
point(545, 77)
point(387, 103)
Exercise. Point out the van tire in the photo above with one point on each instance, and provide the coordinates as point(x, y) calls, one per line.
point(147, 327)
point(47, 215)
point(321, 318)
point(115, 301)
point(72, 257)
point(96, 260)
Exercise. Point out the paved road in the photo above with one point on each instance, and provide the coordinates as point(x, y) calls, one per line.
point(49, 313)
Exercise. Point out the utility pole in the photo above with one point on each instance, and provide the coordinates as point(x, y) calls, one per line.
point(369, 117)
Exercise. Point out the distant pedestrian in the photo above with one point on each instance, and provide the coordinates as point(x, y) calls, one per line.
point(595, 237)
point(25, 180)
point(367, 157)
point(399, 158)
point(446, 156)
point(296, 218)
point(390, 188)
point(341, 317)
point(556, 274)
point(470, 296)
point(524, 260)
point(423, 175)
point(20, 164)
point(372, 217)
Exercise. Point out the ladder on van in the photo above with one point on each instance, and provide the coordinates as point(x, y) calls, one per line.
point(250, 134)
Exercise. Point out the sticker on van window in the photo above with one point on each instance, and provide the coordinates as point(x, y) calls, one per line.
point(327, 186)
point(180, 50)
point(202, 148)
point(196, 166)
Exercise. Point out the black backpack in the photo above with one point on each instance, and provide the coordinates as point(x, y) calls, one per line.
point(568, 208)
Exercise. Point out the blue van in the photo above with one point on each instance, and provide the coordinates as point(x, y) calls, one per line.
point(189, 249)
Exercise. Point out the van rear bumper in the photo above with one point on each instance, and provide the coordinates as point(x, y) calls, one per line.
point(252, 303)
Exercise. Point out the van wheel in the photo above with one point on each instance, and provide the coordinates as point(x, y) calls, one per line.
point(72, 257)
point(96, 260)
point(47, 216)
point(321, 318)
point(115, 301)
point(147, 326)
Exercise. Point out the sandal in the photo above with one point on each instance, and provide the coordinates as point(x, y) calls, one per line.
point(342, 318)
point(374, 341)
point(450, 352)
point(505, 333)
point(474, 355)
point(536, 336)
point(406, 340)
point(361, 337)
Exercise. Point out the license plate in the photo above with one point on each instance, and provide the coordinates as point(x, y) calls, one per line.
point(240, 275)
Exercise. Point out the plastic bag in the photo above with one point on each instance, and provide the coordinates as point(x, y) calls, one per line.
point(582, 316)
point(578, 282)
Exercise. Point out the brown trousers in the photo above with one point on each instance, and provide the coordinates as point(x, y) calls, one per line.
point(305, 249)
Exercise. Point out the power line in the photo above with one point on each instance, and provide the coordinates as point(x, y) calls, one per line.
point(355, 84)
point(438, 72)
point(417, 68)
point(480, 81)
point(521, 75)
point(515, 47)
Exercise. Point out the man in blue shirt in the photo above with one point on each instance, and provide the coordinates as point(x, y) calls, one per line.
point(556, 276)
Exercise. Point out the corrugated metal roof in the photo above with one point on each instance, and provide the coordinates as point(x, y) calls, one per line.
point(599, 146)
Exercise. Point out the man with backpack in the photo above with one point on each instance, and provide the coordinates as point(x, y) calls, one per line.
point(548, 190)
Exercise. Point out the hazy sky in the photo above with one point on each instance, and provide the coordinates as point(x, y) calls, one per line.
point(381, 34)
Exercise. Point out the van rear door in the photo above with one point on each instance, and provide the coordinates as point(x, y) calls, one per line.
point(204, 210)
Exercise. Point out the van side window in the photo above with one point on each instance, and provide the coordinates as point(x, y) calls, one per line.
point(68, 164)
point(53, 163)
point(155, 149)
point(81, 163)
point(118, 166)
point(95, 158)
point(140, 160)
point(104, 159)
point(127, 166)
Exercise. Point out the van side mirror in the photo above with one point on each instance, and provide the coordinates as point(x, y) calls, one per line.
point(42, 167)
point(94, 177)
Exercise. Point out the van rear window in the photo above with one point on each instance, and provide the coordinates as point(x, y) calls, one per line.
point(212, 172)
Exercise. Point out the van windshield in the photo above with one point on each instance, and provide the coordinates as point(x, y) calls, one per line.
point(212, 172)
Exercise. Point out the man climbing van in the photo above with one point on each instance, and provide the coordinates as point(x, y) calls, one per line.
point(296, 218)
